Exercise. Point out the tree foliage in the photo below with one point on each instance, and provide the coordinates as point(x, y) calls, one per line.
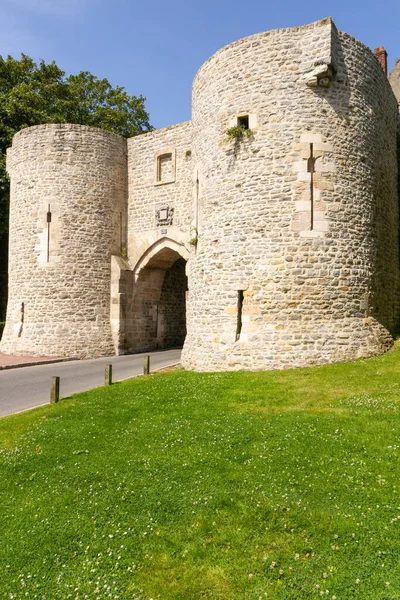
point(32, 94)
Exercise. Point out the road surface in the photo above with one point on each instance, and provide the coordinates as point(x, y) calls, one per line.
point(27, 387)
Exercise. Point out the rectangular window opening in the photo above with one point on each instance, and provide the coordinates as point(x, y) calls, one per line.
point(239, 314)
point(164, 167)
point(243, 121)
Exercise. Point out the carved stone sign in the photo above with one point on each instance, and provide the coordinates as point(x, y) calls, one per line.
point(164, 215)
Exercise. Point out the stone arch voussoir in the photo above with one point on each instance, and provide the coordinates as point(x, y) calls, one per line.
point(162, 254)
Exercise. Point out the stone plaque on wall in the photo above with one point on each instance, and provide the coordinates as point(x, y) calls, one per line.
point(164, 215)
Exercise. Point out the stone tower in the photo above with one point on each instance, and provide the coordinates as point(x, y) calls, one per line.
point(298, 223)
point(279, 198)
point(68, 215)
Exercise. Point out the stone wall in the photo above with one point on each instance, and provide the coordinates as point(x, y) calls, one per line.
point(172, 306)
point(155, 312)
point(148, 196)
point(394, 79)
point(157, 308)
point(289, 229)
point(160, 176)
point(143, 331)
point(59, 296)
point(320, 282)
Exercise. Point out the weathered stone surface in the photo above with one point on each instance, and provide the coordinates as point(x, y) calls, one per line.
point(81, 173)
point(394, 79)
point(302, 287)
point(299, 218)
point(147, 195)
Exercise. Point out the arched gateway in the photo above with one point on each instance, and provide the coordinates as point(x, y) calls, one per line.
point(155, 314)
point(148, 302)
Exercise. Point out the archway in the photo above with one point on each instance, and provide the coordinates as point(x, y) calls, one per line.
point(158, 314)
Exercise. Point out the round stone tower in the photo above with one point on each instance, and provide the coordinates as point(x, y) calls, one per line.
point(295, 258)
point(67, 217)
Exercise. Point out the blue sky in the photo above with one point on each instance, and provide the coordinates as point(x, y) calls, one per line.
point(154, 48)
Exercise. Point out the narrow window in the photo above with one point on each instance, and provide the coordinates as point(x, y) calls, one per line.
point(311, 169)
point(243, 121)
point(21, 325)
point(196, 212)
point(239, 314)
point(164, 167)
point(48, 218)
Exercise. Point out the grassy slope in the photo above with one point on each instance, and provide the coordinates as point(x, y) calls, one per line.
point(186, 486)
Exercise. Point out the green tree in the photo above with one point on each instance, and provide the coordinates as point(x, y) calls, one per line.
point(31, 94)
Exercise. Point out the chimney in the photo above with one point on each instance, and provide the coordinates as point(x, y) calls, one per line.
point(381, 55)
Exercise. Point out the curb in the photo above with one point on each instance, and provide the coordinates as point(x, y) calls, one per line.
point(151, 372)
point(34, 363)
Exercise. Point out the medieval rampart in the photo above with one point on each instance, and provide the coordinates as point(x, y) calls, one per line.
point(68, 205)
point(298, 222)
point(267, 227)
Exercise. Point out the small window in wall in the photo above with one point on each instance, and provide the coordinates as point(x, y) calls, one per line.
point(243, 121)
point(165, 167)
point(239, 314)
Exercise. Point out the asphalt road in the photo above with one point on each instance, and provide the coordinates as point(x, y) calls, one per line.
point(27, 387)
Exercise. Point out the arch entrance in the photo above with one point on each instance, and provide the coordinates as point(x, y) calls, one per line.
point(158, 310)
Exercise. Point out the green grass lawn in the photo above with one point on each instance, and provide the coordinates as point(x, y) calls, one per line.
point(223, 485)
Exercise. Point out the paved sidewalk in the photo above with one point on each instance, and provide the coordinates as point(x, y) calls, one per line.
point(10, 361)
